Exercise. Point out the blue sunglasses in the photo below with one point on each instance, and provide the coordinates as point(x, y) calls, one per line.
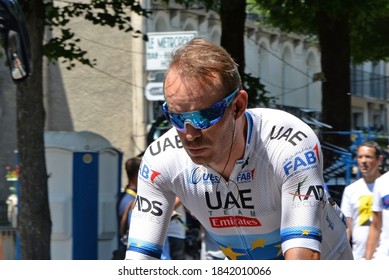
point(201, 119)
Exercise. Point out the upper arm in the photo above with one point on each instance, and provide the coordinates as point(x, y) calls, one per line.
point(152, 211)
point(303, 196)
point(374, 234)
point(177, 203)
point(377, 220)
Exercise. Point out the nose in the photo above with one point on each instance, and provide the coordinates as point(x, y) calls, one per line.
point(191, 133)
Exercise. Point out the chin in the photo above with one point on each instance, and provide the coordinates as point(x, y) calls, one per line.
point(198, 160)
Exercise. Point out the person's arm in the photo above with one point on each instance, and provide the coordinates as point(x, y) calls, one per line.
point(301, 254)
point(152, 211)
point(177, 203)
point(346, 207)
point(302, 195)
point(349, 222)
point(124, 222)
point(148, 227)
point(374, 234)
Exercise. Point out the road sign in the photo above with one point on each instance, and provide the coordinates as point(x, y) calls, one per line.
point(154, 91)
point(160, 46)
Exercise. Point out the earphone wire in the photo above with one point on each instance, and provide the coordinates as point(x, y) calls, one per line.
point(229, 154)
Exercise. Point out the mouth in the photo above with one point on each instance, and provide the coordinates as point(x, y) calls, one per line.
point(195, 150)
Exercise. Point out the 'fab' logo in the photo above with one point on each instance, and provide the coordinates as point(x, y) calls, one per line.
point(300, 162)
point(245, 176)
point(148, 173)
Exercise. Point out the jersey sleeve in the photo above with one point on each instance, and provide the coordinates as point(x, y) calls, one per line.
point(302, 191)
point(377, 201)
point(152, 210)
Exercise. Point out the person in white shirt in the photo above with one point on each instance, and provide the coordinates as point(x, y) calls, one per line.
point(377, 245)
point(357, 197)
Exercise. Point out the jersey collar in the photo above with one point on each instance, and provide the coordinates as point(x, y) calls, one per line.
point(245, 160)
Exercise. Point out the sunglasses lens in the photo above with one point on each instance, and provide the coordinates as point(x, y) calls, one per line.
point(199, 119)
point(177, 121)
point(209, 116)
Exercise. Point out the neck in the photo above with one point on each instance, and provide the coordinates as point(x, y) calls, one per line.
point(371, 178)
point(237, 149)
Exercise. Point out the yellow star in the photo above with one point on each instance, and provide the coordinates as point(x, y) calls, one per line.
point(258, 243)
point(229, 253)
point(280, 249)
point(305, 232)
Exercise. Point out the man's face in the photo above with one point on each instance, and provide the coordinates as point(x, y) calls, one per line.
point(368, 162)
point(210, 146)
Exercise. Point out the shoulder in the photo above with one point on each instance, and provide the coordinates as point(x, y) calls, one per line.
point(290, 146)
point(282, 132)
point(165, 157)
point(383, 178)
point(275, 115)
point(354, 187)
point(167, 144)
point(280, 124)
point(381, 182)
point(355, 184)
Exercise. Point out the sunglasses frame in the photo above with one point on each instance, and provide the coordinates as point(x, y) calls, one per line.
point(192, 117)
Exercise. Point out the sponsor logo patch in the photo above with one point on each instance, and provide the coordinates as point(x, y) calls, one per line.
point(287, 134)
point(385, 201)
point(234, 221)
point(311, 193)
point(148, 174)
point(201, 175)
point(146, 206)
point(163, 144)
point(302, 161)
point(245, 176)
point(242, 199)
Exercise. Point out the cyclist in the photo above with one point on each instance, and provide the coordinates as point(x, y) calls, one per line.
point(252, 177)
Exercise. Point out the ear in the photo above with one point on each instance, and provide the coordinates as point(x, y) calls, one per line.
point(241, 103)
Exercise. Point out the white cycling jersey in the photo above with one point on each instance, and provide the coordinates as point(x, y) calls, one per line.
point(274, 199)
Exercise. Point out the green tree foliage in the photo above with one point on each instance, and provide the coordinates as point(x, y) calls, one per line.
point(370, 38)
point(367, 19)
point(345, 29)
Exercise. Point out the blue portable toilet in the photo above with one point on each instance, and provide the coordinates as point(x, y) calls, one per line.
point(84, 179)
